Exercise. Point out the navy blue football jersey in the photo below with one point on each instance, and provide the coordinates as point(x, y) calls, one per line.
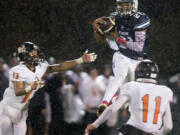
point(127, 26)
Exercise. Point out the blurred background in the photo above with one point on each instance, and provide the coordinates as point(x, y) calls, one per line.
point(62, 30)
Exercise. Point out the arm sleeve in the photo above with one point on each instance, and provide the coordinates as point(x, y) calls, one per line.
point(141, 24)
point(138, 44)
point(167, 122)
point(110, 110)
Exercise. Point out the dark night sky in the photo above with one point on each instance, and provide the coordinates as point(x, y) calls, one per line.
point(61, 27)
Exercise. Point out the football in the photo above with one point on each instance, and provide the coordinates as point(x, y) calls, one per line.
point(107, 25)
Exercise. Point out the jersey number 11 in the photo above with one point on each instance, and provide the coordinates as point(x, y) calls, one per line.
point(145, 100)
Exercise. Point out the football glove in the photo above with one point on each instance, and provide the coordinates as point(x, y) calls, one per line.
point(121, 41)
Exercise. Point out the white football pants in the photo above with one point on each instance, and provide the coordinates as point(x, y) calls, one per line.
point(9, 128)
point(123, 69)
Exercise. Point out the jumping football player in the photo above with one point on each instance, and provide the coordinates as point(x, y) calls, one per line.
point(129, 39)
point(24, 81)
point(149, 104)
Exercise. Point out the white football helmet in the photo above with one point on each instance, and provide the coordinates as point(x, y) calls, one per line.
point(126, 7)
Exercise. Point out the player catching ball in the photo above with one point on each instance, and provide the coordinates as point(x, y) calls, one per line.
point(128, 36)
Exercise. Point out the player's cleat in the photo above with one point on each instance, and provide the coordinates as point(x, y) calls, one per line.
point(100, 109)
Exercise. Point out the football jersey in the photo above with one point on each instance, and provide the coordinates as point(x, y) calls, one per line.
point(126, 27)
point(147, 104)
point(22, 73)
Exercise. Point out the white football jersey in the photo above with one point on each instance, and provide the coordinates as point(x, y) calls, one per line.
point(147, 105)
point(22, 73)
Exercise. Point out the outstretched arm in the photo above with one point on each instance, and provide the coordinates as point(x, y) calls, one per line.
point(61, 67)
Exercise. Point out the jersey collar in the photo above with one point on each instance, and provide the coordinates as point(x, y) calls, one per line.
point(146, 80)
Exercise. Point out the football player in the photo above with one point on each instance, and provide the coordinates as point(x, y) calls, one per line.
point(129, 39)
point(149, 104)
point(24, 81)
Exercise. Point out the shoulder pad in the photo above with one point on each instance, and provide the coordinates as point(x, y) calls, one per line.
point(170, 94)
point(141, 21)
point(43, 63)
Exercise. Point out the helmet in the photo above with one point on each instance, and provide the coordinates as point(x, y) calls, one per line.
point(29, 53)
point(146, 70)
point(126, 7)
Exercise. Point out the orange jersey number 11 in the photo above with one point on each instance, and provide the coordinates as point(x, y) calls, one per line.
point(145, 100)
